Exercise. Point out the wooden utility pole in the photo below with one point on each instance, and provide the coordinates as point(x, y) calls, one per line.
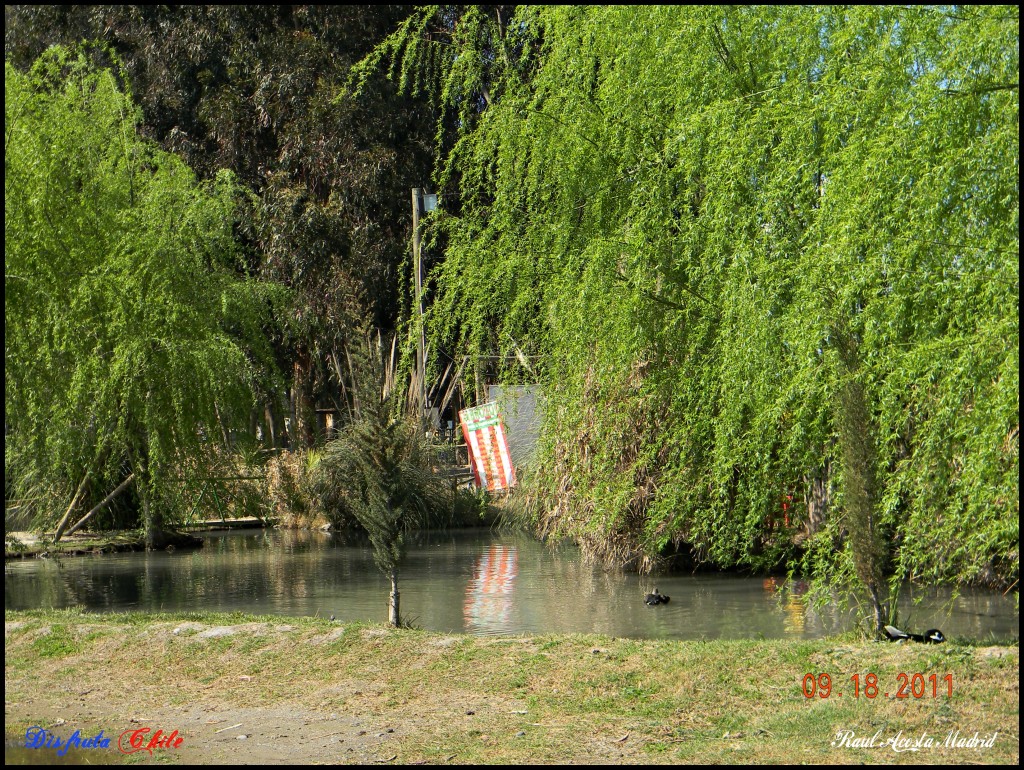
point(421, 363)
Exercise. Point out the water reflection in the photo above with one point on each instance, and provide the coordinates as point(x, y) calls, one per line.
point(473, 581)
point(794, 619)
point(488, 607)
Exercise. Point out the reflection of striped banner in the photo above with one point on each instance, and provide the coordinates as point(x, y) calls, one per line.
point(488, 604)
point(488, 449)
point(497, 570)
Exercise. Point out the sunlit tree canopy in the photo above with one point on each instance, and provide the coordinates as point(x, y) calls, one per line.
point(131, 341)
point(765, 259)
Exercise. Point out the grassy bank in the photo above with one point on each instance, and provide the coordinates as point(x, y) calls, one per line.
point(309, 690)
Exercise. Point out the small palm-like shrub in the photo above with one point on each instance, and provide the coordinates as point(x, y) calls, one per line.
point(380, 469)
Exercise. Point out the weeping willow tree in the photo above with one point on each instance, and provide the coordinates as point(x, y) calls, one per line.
point(131, 341)
point(767, 257)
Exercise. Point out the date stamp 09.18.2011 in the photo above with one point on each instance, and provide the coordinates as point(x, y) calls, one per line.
point(867, 686)
point(916, 685)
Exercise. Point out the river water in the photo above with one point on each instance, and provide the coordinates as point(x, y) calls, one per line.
point(473, 581)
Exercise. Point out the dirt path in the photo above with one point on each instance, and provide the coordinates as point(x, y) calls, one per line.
point(231, 717)
point(218, 734)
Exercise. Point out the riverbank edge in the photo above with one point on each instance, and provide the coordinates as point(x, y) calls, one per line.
point(311, 690)
point(33, 544)
point(29, 545)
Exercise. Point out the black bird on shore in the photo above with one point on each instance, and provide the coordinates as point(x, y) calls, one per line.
point(655, 598)
point(931, 636)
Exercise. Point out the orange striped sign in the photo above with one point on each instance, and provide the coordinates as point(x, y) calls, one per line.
point(488, 450)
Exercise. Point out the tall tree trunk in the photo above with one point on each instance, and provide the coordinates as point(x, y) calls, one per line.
point(153, 520)
point(223, 428)
point(859, 450)
point(152, 516)
point(301, 401)
point(393, 615)
point(270, 439)
point(818, 498)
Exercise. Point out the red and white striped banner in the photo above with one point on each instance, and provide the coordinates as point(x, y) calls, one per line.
point(488, 450)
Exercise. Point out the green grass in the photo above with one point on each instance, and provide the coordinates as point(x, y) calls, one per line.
point(571, 698)
point(57, 642)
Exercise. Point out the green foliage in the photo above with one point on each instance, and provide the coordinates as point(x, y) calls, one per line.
point(380, 469)
point(251, 88)
point(709, 224)
point(291, 490)
point(459, 56)
point(131, 340)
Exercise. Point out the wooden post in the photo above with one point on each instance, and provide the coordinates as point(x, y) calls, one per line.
point(100, 506)
point(67, 514)
point(421, 374)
